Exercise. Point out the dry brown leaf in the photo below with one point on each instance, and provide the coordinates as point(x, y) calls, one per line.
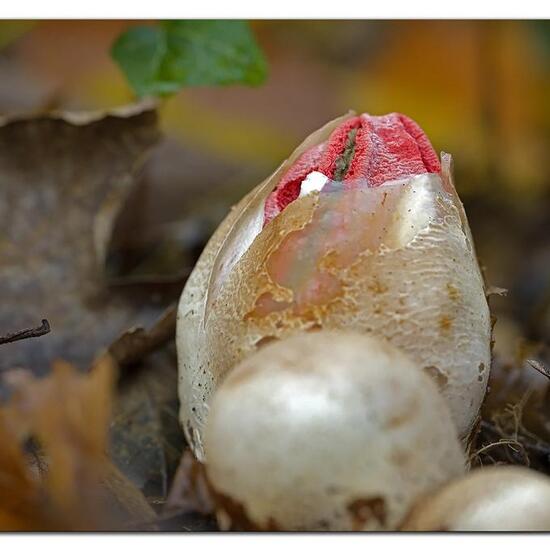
point(56, 173)
point(146, 437)
point(189, 492)
point(73, 486)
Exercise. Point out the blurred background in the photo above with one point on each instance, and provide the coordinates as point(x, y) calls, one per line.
point(479, 89)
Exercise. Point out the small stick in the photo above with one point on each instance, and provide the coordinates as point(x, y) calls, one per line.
point(136, 343)
point(44, 328)
point(538, 366)
point(510, 442)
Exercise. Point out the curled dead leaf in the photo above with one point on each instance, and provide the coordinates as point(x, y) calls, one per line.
point(67, 483)
point(190, 491)
point(56, 171)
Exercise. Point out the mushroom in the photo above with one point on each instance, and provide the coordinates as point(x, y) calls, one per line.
point(361, 229)
point(493, 498)
point(327, 431)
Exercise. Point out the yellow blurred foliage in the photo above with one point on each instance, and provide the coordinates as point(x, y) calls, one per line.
point(58, 487)
point(478, 88)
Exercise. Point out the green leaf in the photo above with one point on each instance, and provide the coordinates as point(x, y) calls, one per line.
point(161, 60)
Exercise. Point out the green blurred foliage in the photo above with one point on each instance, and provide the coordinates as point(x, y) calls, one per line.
point(160, 60)
point(12, 30)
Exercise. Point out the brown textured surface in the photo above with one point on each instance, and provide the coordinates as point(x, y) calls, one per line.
point(56, 172)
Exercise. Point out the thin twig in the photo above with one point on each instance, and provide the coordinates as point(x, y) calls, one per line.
point(44, 328)
point(537, 445)
point(539, 367)
point(136, 343)
point(510, 442)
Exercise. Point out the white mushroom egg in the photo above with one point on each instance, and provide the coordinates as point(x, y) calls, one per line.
point(494, 498)
point(327, 431)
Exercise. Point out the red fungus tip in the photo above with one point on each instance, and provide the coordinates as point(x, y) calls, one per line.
point(375, 149)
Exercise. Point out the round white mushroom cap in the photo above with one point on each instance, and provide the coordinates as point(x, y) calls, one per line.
point(494, 498)
point(328, 431)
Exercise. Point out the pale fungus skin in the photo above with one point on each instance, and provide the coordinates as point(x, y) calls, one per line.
point(396, 261)
point(493, 498)
point(328, 431)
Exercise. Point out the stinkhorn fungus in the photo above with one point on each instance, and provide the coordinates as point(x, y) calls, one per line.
point(360, 229)
point(327, 431)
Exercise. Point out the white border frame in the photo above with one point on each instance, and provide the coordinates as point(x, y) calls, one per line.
point(279, 9)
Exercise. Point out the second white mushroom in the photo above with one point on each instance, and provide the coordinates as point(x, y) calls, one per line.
point(495, 498)
point(328, 431)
